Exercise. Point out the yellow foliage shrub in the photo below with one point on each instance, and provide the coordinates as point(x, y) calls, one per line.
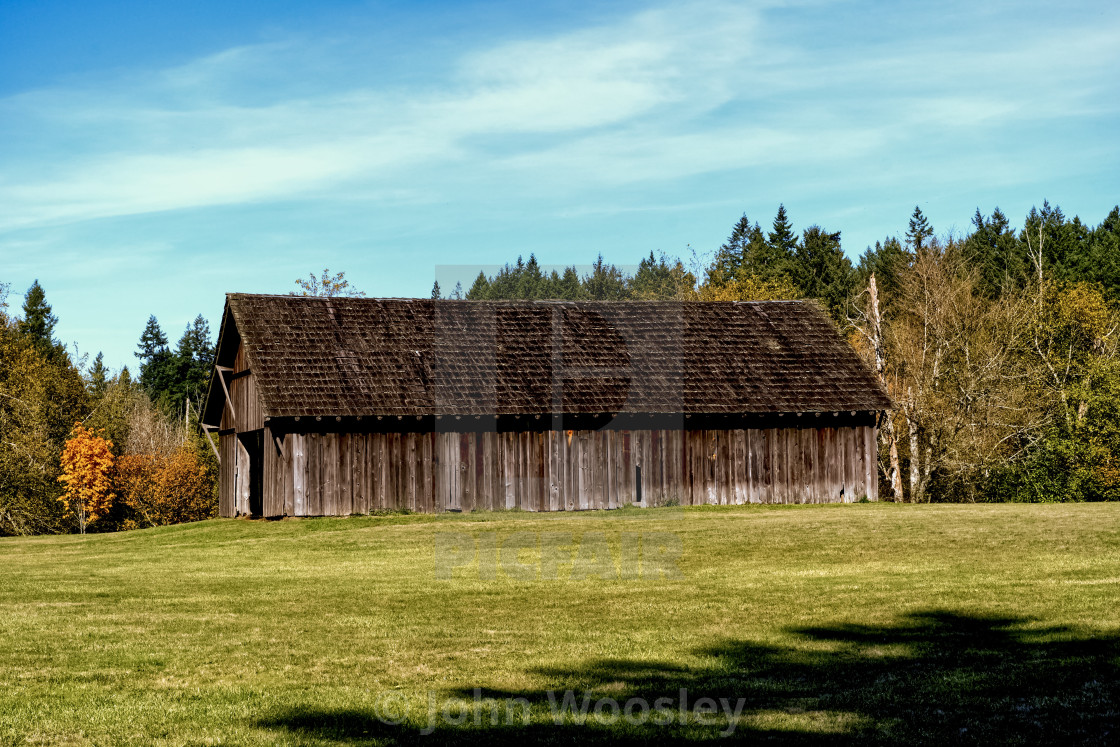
point(164, 490)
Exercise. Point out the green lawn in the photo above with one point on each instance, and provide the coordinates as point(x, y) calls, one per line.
point(836, 624)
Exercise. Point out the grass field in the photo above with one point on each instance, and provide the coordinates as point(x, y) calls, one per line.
point(835, 624)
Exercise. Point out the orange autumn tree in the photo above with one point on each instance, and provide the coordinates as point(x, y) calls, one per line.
point(87, 463)
point(164, 490)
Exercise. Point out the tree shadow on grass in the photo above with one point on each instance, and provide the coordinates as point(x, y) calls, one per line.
point(935, 677)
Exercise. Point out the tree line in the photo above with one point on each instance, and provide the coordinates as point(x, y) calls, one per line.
point(999, 347)
point(82, 447)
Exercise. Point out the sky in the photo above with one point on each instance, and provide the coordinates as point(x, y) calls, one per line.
point(154, 156)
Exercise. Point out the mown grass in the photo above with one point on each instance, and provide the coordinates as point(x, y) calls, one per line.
point(836, 624)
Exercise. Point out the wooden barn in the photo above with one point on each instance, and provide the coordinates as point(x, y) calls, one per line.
point(337, 406)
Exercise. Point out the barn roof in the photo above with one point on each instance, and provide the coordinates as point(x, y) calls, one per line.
point(367, 356)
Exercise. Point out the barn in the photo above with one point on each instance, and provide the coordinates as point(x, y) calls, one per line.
point(339, 406)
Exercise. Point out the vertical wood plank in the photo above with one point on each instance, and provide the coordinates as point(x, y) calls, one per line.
point(871, 463)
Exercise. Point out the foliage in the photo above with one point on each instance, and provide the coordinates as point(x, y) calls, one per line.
point(156, 368)
point(822, 271)
point(172, 379)
point(655, 278)
point(41, 396)
point(87, 461)
point(919, 231)
point(98, 378)
point(661, 278)
point(327, 285)
point(744, 286)
point(39, 321)
point(164, 489)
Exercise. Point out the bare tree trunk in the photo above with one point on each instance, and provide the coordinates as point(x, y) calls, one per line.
point(915, 458)
point(894, 475)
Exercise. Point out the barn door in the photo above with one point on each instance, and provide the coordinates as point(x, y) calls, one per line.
point(249, 477)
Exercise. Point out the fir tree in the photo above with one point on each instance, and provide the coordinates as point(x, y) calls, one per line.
point(38, 322)
point(1000, 257)
point(782, 240)
point(742, 247)
point(771, 259)
point(821, 270)
point(480, 290)
point(605, 283)
point(886, 261)
point(98, 377)
point(156, 364)
point(569, 287)
point(190, 366)
point(919, 231)
point(435, 291)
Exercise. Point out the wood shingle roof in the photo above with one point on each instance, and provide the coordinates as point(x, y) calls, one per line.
point(359, 356)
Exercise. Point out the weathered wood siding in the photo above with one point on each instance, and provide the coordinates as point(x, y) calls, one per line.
point(227, 447)
point(246, 403)
point(336, 474)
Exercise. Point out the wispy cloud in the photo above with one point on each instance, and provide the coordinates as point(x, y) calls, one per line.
point(663, 94)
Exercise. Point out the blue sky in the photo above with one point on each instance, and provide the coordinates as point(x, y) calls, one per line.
point(153, 158)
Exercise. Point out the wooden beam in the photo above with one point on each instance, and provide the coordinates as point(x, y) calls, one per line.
point(206, 429)
point(229, 400)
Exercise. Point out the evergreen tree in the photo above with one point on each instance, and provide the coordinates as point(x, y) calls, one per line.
point(38, 322)
point(658, 278)
point(771, 260)
point(605, 283)
point(191, 363)
point(1062, 243)
point(999, 255)
point(480, 290)
point(435, 291)
point(98, 377)
point(782, 240)
point(457, 293)
point(742, 246)
point(530, 281)
point(156, 363)
point(886, 260)
point(821, 270)
point(1102, 257)
point(919, 230)
point(569, 286)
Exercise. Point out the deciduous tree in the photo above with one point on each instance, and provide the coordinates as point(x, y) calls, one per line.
point(87, 463)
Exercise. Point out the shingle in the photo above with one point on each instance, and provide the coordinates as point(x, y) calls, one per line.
point(358, 356)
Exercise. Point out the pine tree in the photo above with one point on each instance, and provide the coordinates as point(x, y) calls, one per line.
point(919, 231)
point(1102, 262)
point(782, 240)
point(605, 283)
point(38, 322)
point(530, 281)
point(98, 377)
point(1001, 258)
point(156, 364)
point(189, 367)
point(739, 249)
point(435, 291)
point(770, 260)
point(569, 287)
point(480, 290)
point(821, 270)
point(885, 261)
